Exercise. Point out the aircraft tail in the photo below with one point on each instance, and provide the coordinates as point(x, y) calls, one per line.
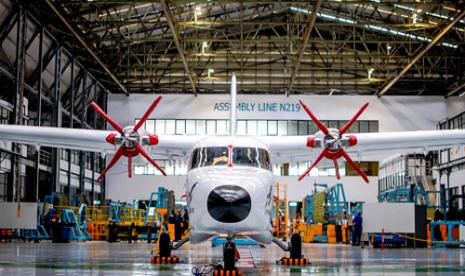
point(232, 119)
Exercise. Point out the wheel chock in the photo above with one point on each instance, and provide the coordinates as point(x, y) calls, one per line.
point(164, 260)
point(294, 262)
point(222, 272)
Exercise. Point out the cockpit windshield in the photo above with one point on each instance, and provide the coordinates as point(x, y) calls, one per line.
point(209, 156)
point(252, 157)
point(241, 156)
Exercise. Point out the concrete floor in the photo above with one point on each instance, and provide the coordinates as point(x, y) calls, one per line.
point(102, 258)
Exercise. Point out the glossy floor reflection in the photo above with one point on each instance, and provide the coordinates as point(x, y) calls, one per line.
point(102, 258)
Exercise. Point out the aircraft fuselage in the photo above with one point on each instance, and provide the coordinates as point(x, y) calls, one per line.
point(229, 189)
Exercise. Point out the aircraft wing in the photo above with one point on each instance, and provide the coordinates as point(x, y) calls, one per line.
point(68, 138)
point(407, 141)
point(88, 139)
point(294, 148)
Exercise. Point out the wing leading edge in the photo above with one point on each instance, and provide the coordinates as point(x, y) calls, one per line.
point(294, 148)
point(88, 140)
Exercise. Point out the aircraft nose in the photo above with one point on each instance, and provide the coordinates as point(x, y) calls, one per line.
point(229, 204)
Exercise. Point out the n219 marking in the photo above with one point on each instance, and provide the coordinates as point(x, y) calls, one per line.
point(287, 107)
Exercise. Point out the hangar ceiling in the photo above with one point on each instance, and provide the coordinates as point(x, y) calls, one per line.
point(353, 47)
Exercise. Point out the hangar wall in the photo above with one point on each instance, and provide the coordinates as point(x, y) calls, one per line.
point(119, 187)
point(393, 113)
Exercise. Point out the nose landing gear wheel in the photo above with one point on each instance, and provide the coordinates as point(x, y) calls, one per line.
point(229, 255)
point(229, 259)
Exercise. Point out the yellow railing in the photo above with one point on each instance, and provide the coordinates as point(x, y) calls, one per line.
point(106, 214)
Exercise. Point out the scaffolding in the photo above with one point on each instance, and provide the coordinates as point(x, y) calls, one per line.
point(281, 221)
point(328, 205)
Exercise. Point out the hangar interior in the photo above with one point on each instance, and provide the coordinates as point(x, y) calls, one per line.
point(404, 58)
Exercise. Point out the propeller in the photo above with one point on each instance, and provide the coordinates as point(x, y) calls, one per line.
point(333, 143)
point(129, 139)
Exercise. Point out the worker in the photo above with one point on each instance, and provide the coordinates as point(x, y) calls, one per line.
point(357, 222)
point(177, 226)
point(185, 219)
point(345, 223)
point(172, 217)
point(438, 215)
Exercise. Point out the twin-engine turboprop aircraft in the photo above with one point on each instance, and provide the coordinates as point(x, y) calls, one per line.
point(229, 184)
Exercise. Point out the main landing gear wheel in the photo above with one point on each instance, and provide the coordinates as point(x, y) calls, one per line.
point(164, 251)
point(164, 246)
point(295, 249)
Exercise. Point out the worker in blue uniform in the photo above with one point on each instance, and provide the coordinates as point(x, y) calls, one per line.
point(357, 222)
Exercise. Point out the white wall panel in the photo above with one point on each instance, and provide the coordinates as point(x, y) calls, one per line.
point(9, 218)
point(392, 217)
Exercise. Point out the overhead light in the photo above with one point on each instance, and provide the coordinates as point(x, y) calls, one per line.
point(204, 46)
point(462, 94)
point(373, 27)
point(370, 72)
point(415, 18)
point(197, 12)
point(210, 72)
point(125, 10)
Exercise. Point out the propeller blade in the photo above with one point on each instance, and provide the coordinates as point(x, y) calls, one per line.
point(107, 118)
point(147, 114)
point(129, 166)
point(147, 156)
point(319, 124)
point(351, 121)
point(318, 159)
point(354, 165)
point(113, 161)
point(336, 167)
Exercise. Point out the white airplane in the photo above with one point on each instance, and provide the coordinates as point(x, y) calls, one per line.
point(229, 184)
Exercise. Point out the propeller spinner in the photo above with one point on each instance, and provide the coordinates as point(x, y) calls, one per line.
point(333, 143)
point(129, 139)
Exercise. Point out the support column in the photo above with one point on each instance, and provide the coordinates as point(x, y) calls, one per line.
point(17, 116)
point(39, 109)
point(71, 125)
point(57, 118)
point(447, 192)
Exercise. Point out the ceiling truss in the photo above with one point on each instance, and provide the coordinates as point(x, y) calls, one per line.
point(354, 47)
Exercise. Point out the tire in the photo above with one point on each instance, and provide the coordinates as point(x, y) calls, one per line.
point(296, 247)
point(164, 245)
point(229, 256)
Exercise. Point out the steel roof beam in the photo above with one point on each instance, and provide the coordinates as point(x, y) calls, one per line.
point(417, 57)
point(170, 20)
point(308, 31)
point(58, 11)
point(455, 90)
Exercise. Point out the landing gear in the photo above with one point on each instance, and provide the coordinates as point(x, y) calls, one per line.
point(229, 259)
point(295, 252)
point(164, 245)
point(229, 255)
point(164, 251)
point(296, 247)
